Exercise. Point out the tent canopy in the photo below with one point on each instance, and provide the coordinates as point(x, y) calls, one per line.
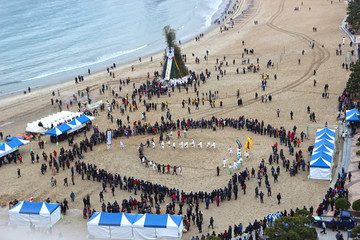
point(9, 147)
point(71, 126)
point(84, 119)
point(353, 118)
point(321, 160)
point(353, 115)
point(111, 219)
point(40, 214)
point(58, 130)
point(137, 226)
point(325, 142)
point(325, 130)
point(51, 120)
point(323, 148)
point(322, 157)
point(325, 136)
point(157, 221)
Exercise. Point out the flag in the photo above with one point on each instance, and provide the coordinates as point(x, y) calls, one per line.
point(250, 142)
point(239, 143)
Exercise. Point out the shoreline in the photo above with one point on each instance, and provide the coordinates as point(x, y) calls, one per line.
point(213, 26)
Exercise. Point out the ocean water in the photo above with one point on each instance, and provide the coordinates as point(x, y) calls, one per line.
point(46, 42)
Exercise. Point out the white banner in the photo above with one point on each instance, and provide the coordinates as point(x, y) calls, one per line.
point(170, 56)
point(109, 137)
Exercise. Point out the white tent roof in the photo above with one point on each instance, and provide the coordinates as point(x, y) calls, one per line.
point(53, 119)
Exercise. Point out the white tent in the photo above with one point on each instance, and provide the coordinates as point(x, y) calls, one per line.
point(135, 226)
point(51, 120)
point(40, 214)
point(151, 226)
point(111, 225)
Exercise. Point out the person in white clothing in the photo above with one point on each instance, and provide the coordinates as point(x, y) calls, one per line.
point(186, 145)
point(179, 170)
point(153, 145)
point(174, 146)
point(200, 145)
point(224, 162)
point(192, 144)
point(182, 145)
point(121, 144)
point(162, 145)
point(230, 150)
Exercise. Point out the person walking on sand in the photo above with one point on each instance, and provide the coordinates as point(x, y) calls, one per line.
point(18, 172)
point(323, 225)
point(291, 115)
point(211, 222)
point(278, 112)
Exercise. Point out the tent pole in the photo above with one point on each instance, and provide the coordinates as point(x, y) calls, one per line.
point(110, 232)
point(307, 131)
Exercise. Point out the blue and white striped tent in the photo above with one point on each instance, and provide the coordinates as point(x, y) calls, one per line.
point(322, 157)
point(40, 214)
point(135, 226)
point(9, 147)
point(58, 130)
point(273, 216)
point(353, 115)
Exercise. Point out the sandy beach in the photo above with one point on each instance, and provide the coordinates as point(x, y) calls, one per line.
point(280, 36)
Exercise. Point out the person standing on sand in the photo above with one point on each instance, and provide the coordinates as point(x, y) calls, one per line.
point(278, 198)
point(291, 115)
point(18, 171)
point(101, 196)
point(261, 197)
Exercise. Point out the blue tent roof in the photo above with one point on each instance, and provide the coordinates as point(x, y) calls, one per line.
point(353, 118)
point(110, 219)
point(58, 130)
point(351, 112)
point(324, 136)
point(324, 142)
point(326, 130)
point(83, 119)
point(156, 221)
point(64, 127)
point(132, 217)
point(322, 155)
point(17, 142)
point(114, 219)
point(31, 207)
point(320, 163)
point(323, 148)
point(177, 219)
point(321, 160)
point(35, 207)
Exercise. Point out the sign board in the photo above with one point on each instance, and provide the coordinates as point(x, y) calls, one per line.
point(170, 56)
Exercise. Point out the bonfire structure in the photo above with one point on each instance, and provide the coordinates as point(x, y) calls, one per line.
point(174, 72)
